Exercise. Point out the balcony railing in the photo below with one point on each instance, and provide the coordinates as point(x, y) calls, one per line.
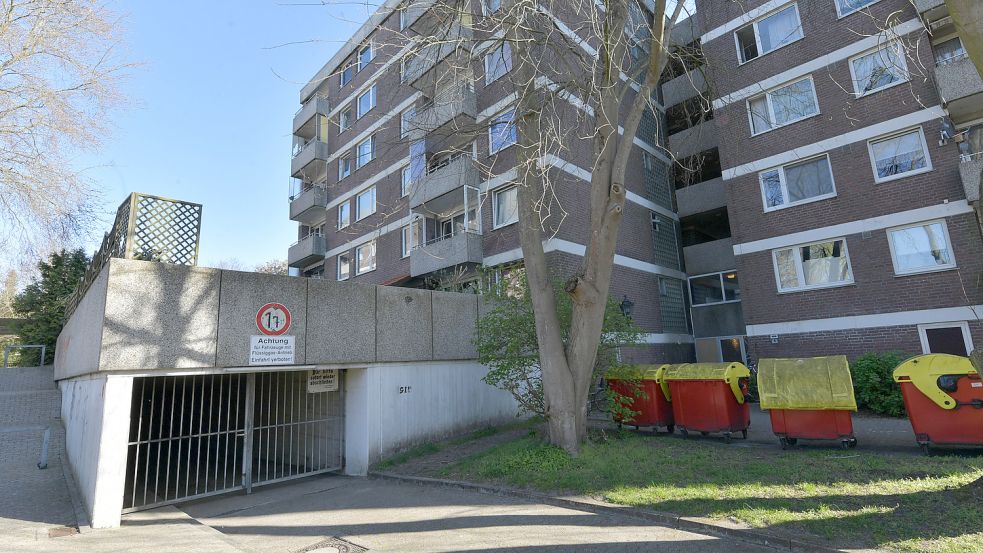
point(958, 79)
point(306, 251)
point(316, 105)
point(436, 48)
point(455, 175)
point(452, 110)
point(308, 205)
point(458, 248)
point(313, 151)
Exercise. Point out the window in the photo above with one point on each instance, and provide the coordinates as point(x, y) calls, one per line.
point(347, 73)
point(818, 265)
point(971, 145)
point(365, 204)
point(344, 120)
point(492, 6)
point(798, 183)
point(344, 266)
point(501, 132)
point(921, 248)
point(879, 69)
point(344, 166)
point(949, 51)
point(411, 237)
point(899, 156)
point(365, 56)
point(846, 7)
point(714, 288)
point(402, 17)
point(366, 152)
point(407, 181)
point(769, 33)
point(498, 62)
point(406, 122)
point(366, 101)
point(344, 215)
point(721, 349)
point(952, 338)
point(365, 258)
point(783, 105)
point(506, 206)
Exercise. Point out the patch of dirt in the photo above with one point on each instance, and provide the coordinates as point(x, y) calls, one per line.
point(451, 452)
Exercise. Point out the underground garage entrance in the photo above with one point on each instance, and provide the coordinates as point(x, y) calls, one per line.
point(199, 435)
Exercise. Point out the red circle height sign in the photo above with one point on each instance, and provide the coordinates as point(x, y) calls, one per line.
point(273, 319)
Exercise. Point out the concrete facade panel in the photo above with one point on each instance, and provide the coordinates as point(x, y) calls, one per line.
point(454, 319)
point(340, 322)
point(404, 319)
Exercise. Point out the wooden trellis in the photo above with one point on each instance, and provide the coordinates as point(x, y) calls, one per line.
point(149, 228)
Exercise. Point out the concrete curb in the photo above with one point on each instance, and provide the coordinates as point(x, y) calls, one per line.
point(670, 520)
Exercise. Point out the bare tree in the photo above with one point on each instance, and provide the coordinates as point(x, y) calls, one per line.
point(272, 267)
point(59, 82)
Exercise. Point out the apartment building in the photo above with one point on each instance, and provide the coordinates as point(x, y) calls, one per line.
point(839, 148)
point(392, 184)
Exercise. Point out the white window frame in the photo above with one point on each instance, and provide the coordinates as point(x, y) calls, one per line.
point(345, 120)
point(495, 193)
point(484, 8)
point(415, 224)
point(962, 325)
point(402, 17)
point(338, 265)
point(490, 61)
point(375, 263)
point(800, 275)
point(841, 15)
point(345, 208)
point(359, 163)
point(358, 56)
point(771, 108)
point(902, 58)
point(757, 35)
point(720, 274)
point(341, 76)
point(491, 128)
point(358, 205)
point(873, 162)
point(405, 121)
point(406, 181)
point(784, 185)
point(342, 175)
point(931, 269)
point(372, 93)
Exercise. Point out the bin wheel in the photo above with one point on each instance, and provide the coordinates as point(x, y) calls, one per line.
point(670, 429)
point(853, 443)
point(744, 433)
point(619, 426)
point(925, 448)
point(683, 432)
point(784, 442)
point(845, 444)
point(726, 437)
point(702, 433)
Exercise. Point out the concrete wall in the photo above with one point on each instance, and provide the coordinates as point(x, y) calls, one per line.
point(396, 406)
point(143, 316)
point(96, 414)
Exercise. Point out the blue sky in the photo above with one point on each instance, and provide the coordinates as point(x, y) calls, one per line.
point(211, 112)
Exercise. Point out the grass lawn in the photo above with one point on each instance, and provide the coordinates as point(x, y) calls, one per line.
point(852, 499)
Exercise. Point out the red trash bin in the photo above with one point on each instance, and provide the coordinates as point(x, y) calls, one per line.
point(709, 397)
point(943, 395)
point(808, 398)
point(654, 409)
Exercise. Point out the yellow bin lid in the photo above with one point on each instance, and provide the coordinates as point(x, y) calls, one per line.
point(923, 371)
point(731, 373)
point(806, 384)
point(640, 372)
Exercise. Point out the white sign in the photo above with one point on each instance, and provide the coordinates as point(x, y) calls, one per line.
point(323, 380)
point(271, 350)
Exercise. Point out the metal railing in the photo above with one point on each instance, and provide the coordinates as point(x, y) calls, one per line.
point(453, 234)
point(7, 350)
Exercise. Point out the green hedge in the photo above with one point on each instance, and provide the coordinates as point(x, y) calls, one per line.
point(874, 386)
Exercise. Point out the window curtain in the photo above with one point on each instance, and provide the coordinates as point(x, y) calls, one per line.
point(779, 29)
point(824, 263)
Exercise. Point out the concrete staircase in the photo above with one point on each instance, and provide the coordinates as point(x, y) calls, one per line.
point(34, 501)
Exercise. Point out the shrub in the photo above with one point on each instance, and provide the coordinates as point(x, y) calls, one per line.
point(874, 386)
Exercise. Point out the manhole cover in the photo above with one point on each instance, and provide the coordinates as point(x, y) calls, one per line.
point(333, 545)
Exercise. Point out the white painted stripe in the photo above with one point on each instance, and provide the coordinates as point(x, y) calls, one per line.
point(900, 318)
point(666, 338)
point(819, 63)
point(395, 112)
point(742, 20)
point(939, 211)
point(566, 246)
point(368, 183)
point(497, 107)
point(816, 148)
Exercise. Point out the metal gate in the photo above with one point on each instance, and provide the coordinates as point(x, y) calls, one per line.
point(195, 436)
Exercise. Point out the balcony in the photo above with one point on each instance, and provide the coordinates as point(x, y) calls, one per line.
point(925, 5)
point(961, 89)
point(450, 112)
point(970, 170)
point(305, 120)
point(438, 53)
point(703, 196)
point(308, 205)
point(458, 249)
point(445, 185)
point(306, 251)
point(310, 160)
point(710, 257)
